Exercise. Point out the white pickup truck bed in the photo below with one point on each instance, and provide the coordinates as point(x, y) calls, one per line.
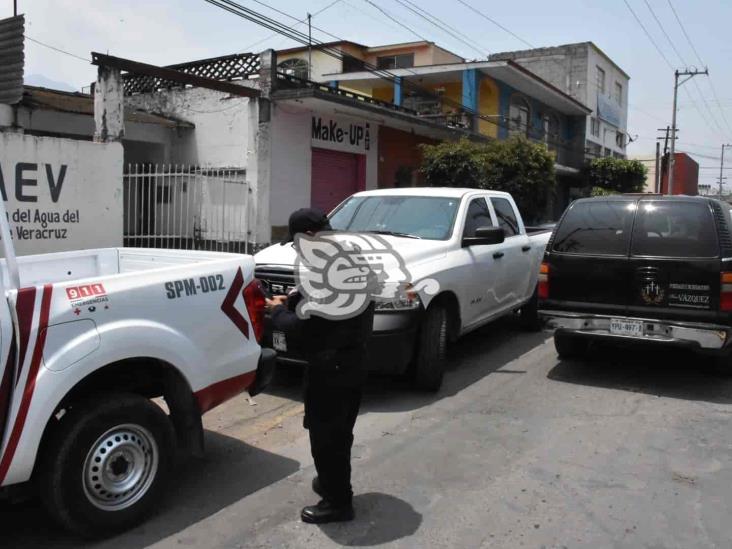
point(87, 338)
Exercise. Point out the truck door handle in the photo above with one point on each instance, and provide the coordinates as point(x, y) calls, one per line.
point(525, 248)
point(498, 255)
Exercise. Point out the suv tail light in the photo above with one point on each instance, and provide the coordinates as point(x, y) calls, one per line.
point(725, 292)
point(544, 281)
point(255, 302)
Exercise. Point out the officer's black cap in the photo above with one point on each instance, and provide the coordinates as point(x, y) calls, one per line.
point(306, 220)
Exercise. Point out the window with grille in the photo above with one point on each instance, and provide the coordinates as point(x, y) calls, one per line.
point(402, 61)
point(294, 67)
point(600, 80)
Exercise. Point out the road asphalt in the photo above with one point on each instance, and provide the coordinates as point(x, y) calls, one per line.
point(630, 448)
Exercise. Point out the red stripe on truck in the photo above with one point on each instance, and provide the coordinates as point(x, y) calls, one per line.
point(213, 395)
point(5, 388)
point(30, 384)
point(24, 309)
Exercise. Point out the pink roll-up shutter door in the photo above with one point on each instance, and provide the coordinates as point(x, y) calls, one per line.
point(335, 176)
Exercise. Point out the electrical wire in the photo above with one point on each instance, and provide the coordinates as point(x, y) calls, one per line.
point(696, 53)
point(663, 56)
point(496, 23)
point(59, 50)
point(249, 47)
point(696, 84)
point(530, 45)
point(395, 20)
point(663, 30)
point(683, 30)
point(281, 28)
point(443, 26)
point(648, 34)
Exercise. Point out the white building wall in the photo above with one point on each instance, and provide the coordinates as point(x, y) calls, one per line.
point(6, 115)
point(292, 160)
point(221, 136)
point(612, 75)
point(61, 194)
point(322, 63)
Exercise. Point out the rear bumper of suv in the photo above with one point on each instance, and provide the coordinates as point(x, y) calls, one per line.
point(695, 335)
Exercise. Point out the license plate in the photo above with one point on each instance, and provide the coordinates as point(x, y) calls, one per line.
point(619, 326)
point(279, 342)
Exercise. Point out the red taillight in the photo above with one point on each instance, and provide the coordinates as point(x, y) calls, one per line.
point(725, 292)
point(544, 281)
point(255, 302)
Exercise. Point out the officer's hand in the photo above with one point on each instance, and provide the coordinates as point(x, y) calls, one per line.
point(276, 300)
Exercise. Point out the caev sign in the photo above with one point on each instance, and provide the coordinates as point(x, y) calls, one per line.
point(333, 133)
point(29, 176)
point(61, 194)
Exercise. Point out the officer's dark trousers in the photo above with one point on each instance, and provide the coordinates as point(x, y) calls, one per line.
point(330, 414)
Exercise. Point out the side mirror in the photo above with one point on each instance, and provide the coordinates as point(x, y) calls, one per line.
point(485, 236)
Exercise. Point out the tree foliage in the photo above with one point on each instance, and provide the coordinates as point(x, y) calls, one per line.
point(617, 175)
point(516, 165)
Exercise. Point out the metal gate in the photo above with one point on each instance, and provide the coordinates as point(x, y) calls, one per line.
point(187, 207)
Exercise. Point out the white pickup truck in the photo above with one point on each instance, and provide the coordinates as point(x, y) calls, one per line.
point(87, 339)
point(472, 242)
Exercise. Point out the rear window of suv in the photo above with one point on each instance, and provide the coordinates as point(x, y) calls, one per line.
point(596, 227)
point(674, 229)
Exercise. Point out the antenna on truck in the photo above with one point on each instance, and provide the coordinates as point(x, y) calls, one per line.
point(8, 247)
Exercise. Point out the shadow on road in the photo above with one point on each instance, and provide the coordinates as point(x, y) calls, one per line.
point(662, 372)
point(470, 359)
point(381, 518)
point(230, 471)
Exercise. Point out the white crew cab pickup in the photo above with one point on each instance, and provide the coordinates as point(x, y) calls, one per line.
point(87, 339)
point(472, 242)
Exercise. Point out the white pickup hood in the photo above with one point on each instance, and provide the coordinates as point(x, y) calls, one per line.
point(412, 250)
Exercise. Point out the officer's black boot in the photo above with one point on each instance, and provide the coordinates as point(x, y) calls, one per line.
point(317, 488)
point(326, 511)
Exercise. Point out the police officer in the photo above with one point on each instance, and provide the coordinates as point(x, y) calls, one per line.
point(335, 350)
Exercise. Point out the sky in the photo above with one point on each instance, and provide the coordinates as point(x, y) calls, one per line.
point(164, 32)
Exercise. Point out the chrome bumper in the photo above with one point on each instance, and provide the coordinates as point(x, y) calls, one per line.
point(706, 336)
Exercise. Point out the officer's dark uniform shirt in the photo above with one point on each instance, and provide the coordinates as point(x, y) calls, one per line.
point(335, 349)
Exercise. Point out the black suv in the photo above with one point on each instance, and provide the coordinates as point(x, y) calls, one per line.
point(645, 268)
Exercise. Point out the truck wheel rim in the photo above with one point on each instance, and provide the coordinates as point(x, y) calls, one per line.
point(120, 467)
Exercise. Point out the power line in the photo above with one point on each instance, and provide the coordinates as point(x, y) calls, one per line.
point(496, 23)
point(663, 55)
point(59, 50)
point(663, 30)
point(696, 52)
point(281, 28)
point(288, 16)
point(683, 29)
point(648, 34)
point(395, 20)
point(445, 27)
point(321, 10)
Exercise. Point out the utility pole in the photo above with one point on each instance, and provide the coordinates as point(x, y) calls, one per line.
point(15, 8)
point(310, 47)
point(663, 161)
point(656, 174)
point(689, 75)
point(721, 168)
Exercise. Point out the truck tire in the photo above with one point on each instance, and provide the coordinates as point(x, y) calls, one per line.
point(431, 349)
point(529, 313)
point(107, 464)
point(570, 346)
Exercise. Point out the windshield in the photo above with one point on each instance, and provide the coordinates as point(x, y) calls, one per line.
point(429, 217)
